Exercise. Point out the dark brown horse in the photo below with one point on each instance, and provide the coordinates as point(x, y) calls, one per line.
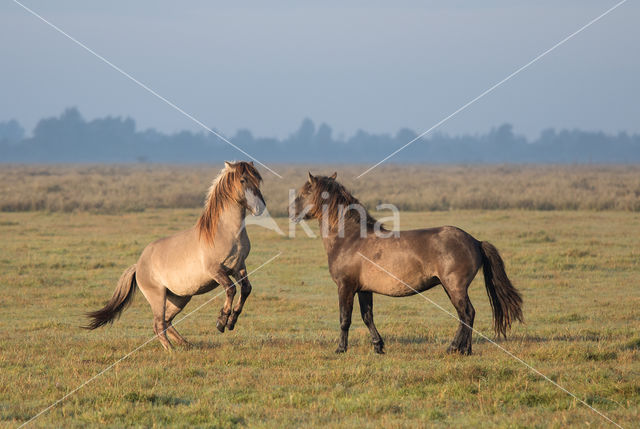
point(364, 259)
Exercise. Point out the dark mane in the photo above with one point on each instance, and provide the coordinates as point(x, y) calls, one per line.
point(337, 201)
point(224, 191)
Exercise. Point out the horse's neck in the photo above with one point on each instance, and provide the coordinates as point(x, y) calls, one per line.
point(231, 221)
point(333, 239)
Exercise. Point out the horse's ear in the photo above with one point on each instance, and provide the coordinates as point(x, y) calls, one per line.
point(227, 164)
point(334, 175)
point(311, 178)
point(251, 162)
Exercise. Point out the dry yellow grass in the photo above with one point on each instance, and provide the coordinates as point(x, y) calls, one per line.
point(578, 272)
point(122, 188)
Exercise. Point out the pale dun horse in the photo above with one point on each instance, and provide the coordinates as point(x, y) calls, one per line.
point(173, 269)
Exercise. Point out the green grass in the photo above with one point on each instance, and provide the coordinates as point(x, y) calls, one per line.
point(578, 271)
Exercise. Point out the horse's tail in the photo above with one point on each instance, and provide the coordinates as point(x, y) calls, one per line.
point(505, 299)
point(119, 301)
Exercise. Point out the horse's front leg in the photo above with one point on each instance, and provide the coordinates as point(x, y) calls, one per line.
point(345, 298)
point(229, 286)
point(245, 290)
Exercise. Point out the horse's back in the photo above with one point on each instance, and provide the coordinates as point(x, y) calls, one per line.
point(445, 247)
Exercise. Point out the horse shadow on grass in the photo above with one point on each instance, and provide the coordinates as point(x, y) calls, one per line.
point(523, 338)
point(442, 341)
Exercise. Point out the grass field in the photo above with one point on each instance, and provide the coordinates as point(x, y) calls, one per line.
point(578, 271)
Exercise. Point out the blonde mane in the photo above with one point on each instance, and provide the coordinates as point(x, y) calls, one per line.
point(225, 190)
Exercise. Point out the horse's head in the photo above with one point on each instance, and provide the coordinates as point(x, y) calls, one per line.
point(308, 201)
point(246, 182)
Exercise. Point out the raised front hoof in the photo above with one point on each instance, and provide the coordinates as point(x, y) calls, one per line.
point(220, 326)
point(231, 323)
point(459, 350)
point(340, 350)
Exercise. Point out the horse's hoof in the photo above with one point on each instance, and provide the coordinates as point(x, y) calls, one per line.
point(220, 326)
point(341, 350)
point(464, 351)
point(379, 348)
point(231, 323)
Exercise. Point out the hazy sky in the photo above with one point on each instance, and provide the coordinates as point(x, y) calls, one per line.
point(367, 65)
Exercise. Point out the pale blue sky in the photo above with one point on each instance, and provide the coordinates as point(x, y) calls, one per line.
point(367, 65)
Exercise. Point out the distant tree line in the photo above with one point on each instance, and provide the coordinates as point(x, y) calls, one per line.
point(70, 138)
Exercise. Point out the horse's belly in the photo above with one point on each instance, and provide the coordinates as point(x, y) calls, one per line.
point(188, 281)
point(392, 287)
point(205, 287)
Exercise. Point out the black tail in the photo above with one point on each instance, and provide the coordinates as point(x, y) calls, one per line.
point(505, 299)
point(119, 301)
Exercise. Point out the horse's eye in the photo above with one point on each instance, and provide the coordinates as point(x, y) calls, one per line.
point(242, 181)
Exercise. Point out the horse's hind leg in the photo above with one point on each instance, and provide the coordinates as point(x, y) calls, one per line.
point(175, 304)
point(457, 291)
point(157, 297)
point(462, 341)
point(366, 310)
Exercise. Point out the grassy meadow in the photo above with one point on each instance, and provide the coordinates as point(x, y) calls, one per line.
point(131, 188)
point(577, 264)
